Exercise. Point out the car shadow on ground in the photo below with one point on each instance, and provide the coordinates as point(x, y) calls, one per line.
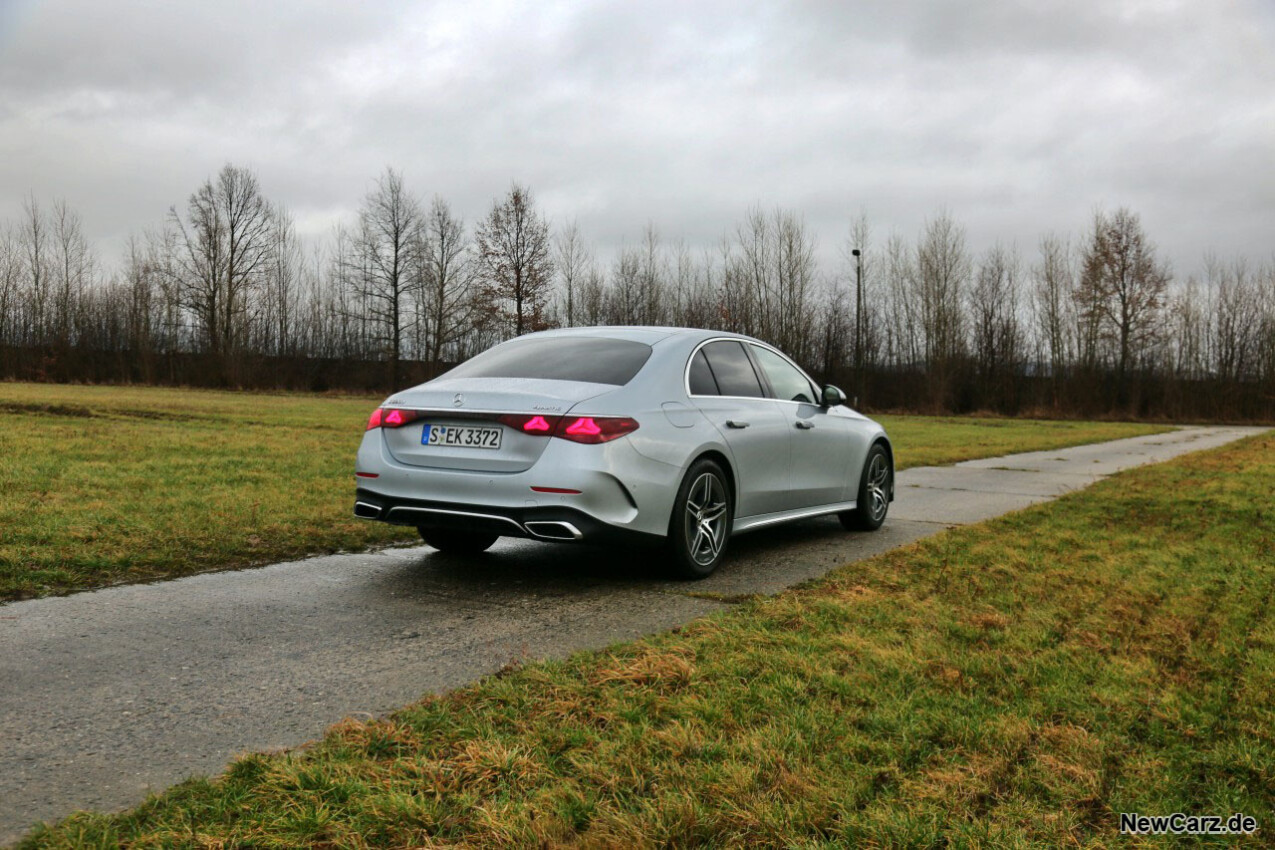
point(516, 568)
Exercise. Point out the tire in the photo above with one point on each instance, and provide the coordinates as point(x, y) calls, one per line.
point(875, 486)
point(700, 526)
point(458, 542)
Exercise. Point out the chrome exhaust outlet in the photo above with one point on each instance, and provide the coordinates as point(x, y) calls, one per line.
point(366, 510)
point(553, 530)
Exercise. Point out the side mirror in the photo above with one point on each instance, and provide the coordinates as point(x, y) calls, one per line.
point(833, 396)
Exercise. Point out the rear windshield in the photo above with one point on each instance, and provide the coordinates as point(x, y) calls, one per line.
point(593, 360)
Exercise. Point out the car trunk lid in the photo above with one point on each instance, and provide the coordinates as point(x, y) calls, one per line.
point(478, 403)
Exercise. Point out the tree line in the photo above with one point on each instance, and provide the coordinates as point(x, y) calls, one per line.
point(223, 292)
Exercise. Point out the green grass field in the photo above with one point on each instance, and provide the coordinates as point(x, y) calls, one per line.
point(1015, 683)
point(100, 485)
point(939, 440)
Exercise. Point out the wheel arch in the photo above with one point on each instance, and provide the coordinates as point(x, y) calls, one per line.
point(724, 462)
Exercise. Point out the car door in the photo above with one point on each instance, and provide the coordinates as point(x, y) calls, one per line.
point(723, 384)
point(822, 448)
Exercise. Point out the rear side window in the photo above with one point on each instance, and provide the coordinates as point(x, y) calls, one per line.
point(593, 360)
point(732, 369)
point(702, 381)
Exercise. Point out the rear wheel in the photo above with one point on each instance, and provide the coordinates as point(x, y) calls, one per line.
point(700, 525)
point(875, 486)
point(458, 542)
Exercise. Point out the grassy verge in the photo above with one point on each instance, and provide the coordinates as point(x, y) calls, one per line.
point(100, 485)
point(1018, 682)
point(938, 440)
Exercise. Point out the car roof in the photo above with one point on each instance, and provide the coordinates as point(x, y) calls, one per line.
point(649, 334)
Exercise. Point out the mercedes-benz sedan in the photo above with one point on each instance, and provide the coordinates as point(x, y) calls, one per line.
point(666, 435)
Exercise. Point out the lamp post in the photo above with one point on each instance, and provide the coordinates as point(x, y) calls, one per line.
point(858, 322)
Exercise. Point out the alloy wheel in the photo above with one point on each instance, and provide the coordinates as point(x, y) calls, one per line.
point(878, 481)
point(706, 518)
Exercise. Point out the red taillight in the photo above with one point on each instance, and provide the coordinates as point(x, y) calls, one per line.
point(393, 417)
point(584, 427)
point(595, 429)
point(535, 424)
point(578, 429)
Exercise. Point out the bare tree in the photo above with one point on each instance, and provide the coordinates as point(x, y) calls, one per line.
point(73, 271)
point(795, 270)
point(625, 302)
point(1189, 325)
point(943, 270)
point(314, 330)
point(1265, 285)
point(514, 249)
point(693, 302)
point(139, 298)
point(349, 317)
point(10, 287)
point(1123, 288)
point(768, 280)
point(225, 249)
point(593, 296)
point(447, 294)
point(734, 298)
point(903, 334)
point(281, 287)
point(652, 272)
point(572, 259)
point(35, 247)
point(384, 266)
point(837, 333)
point(1053, 281)
point(163, 256)
point(997, 332)
point(1237, 315)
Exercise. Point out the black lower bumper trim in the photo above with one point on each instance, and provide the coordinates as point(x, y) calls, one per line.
point(506, 522)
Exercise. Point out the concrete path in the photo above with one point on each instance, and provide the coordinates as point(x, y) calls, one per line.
point(106, 696)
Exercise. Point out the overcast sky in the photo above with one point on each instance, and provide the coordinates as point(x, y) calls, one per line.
point(1018, 118)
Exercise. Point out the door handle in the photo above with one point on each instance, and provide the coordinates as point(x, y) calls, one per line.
point(805, 426)
point(735, 423)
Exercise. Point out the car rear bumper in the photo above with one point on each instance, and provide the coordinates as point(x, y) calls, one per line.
point(555, 523)
point(610, 483)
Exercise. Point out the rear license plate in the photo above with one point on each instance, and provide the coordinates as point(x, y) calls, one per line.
point(461, 436)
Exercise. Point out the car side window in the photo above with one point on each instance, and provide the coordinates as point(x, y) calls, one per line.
point(732, 369)
point(786, 379)
point(702, 381)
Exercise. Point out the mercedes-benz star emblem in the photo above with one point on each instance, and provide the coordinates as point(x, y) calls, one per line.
point(458, 400)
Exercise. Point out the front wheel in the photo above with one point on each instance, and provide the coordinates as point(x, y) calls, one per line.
point(700, 525)
point(458, 542)
point(875, 486)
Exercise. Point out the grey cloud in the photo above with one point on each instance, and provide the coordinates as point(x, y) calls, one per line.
point(1020, 117)
point(194, 50)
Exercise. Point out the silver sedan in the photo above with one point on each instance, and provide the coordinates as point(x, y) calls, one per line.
point(666, 435)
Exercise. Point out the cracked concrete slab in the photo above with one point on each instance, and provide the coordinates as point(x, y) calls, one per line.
point(109, 695)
